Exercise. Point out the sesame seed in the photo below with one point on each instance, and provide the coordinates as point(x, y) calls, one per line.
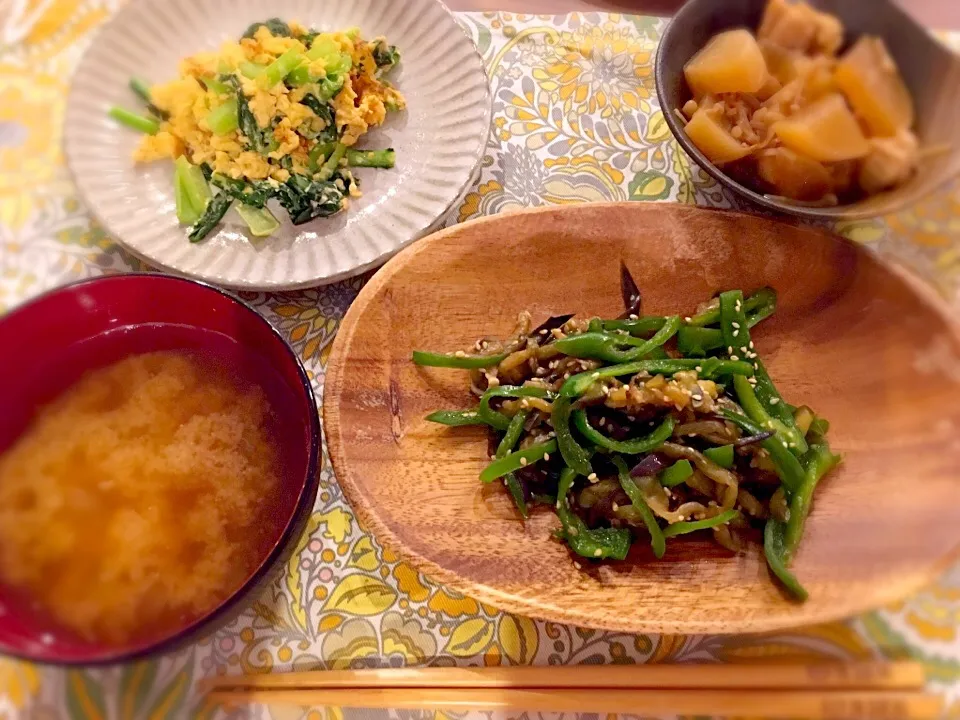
point(577, 565)
point(736, 332)
point(751, 344)
point(774, 401)
point(734, 358)
point(615, 507)
point(546, 456)
point(736, 325)
point(729, 348)
point(544, 331)
point(573, 532)
point(592, 477)
point(743, 348)
point(633, 316)
point(460, 353)
point(631, 418)
point(666, 491)
point(566, 375)
point(525, 403)
point(595, 375)
point(687, 319)
point(681, 518)
point(606, 390)
point(493, 457)
point(523, 461)
point(698, 368)
point(602, 422)
point(598, 552)
point(784, 444)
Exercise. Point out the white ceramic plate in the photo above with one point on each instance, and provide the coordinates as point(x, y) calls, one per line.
point(439, 139)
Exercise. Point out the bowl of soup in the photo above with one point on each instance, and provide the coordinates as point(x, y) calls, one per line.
point(159, 456)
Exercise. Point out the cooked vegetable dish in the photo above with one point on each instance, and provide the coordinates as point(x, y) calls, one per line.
point(785, 113)
point(643, 428)
point(274, 115)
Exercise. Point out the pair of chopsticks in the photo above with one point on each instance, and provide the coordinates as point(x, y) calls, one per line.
point(834, 691)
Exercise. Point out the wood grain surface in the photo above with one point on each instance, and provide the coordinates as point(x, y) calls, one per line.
point(852, 337)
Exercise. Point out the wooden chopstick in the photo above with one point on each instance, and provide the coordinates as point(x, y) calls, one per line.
point(811, 705)
point(833, 676)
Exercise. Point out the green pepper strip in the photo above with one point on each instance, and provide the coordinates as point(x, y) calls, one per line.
point(682, 528)
point(693, 340)
point(788, 467)
point(771, 400)
point(773, 549)
point(512, 435)
point(676, 474)
point(497, 419)
point(604, 346)
point(574, 454)
point(818, 462)
point(509, 440)
point(756, 411)
point(456, 418)
point(594, 544)
point(638, 327)
point(464, 362)
point(513, 461)
point(657, 540)
point(763, 303)
point(706, 368)
point(722, 455)
point(768, 409)
point(627, 447)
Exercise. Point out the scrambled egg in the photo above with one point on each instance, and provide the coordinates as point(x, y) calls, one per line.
point(362, 103)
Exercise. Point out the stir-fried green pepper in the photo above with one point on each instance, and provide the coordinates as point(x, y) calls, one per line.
point(682, 528)
point(596, 544)
point(574, 454)
point(818, 462)
point(706, 368)
point(456, 418)
point(510, 438)
point(773, 550)
point(764, 405)
point(516, 460)
point(637, 327)
point(788, 467)
point(763, 303)
point(676, 474)
point(657, 541)
point(755, 410)
point(608, 347)
point(722, 455)
point(497, 419)
point(627, 447)
point(457, 360)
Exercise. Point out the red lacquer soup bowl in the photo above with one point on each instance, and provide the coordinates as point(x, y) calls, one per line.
point(47, 344)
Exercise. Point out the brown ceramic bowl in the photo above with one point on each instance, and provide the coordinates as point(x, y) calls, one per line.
point(851, 337)
point(931, 72)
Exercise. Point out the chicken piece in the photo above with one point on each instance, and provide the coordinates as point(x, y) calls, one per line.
point(891, 161)
point(799, 27)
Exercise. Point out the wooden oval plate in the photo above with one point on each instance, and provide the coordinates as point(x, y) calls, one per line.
point(855, 339)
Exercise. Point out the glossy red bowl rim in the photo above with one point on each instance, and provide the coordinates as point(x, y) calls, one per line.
point(294, 524)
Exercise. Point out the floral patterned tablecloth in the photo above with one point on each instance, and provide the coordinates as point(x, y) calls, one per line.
point(575, 119)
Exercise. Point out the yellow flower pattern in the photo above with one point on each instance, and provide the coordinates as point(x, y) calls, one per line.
point(575, 120)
